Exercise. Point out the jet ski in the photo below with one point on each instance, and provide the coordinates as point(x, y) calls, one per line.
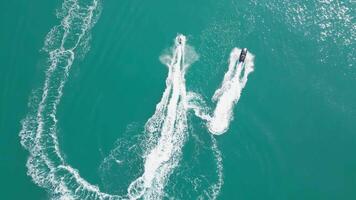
point(179, 40)
point(243, 55)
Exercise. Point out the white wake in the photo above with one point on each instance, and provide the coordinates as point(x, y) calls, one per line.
point(226, 96)
point(166, 130)
point(45, 164)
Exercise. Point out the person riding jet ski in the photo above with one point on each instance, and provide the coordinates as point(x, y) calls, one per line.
point(243, 55)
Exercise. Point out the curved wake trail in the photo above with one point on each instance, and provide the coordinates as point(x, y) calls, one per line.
point(226, 96)
point(45, 164)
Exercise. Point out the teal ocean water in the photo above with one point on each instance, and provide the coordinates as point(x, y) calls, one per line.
point(147, 99)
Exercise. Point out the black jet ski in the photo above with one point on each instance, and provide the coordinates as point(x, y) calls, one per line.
point(243, 55)
point(179, 39)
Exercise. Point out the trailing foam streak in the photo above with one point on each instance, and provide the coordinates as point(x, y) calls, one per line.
point(167, 127)
point(227, 95)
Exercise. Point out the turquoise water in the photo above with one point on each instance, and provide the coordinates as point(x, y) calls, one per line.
point(87, 133)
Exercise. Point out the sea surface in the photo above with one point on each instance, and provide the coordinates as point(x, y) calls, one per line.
point(133, 99)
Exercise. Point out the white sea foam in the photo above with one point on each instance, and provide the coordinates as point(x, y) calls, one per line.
point(45, 164)
point(230, 91)
point(219, 120)
point(213, 191)
point(215, 188)
point(167, 128)
point(226, 96)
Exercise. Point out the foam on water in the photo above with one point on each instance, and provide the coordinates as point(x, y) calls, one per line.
point(165, 132)
point(226, 96)
point(229, 92)
point(45, 164)
point(214, 190)
point(167, 128)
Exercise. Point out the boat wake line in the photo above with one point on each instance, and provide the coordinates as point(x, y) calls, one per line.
point(226, 96)
point(166, 130)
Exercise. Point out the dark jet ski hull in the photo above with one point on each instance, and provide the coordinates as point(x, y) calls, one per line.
point(243, 55)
